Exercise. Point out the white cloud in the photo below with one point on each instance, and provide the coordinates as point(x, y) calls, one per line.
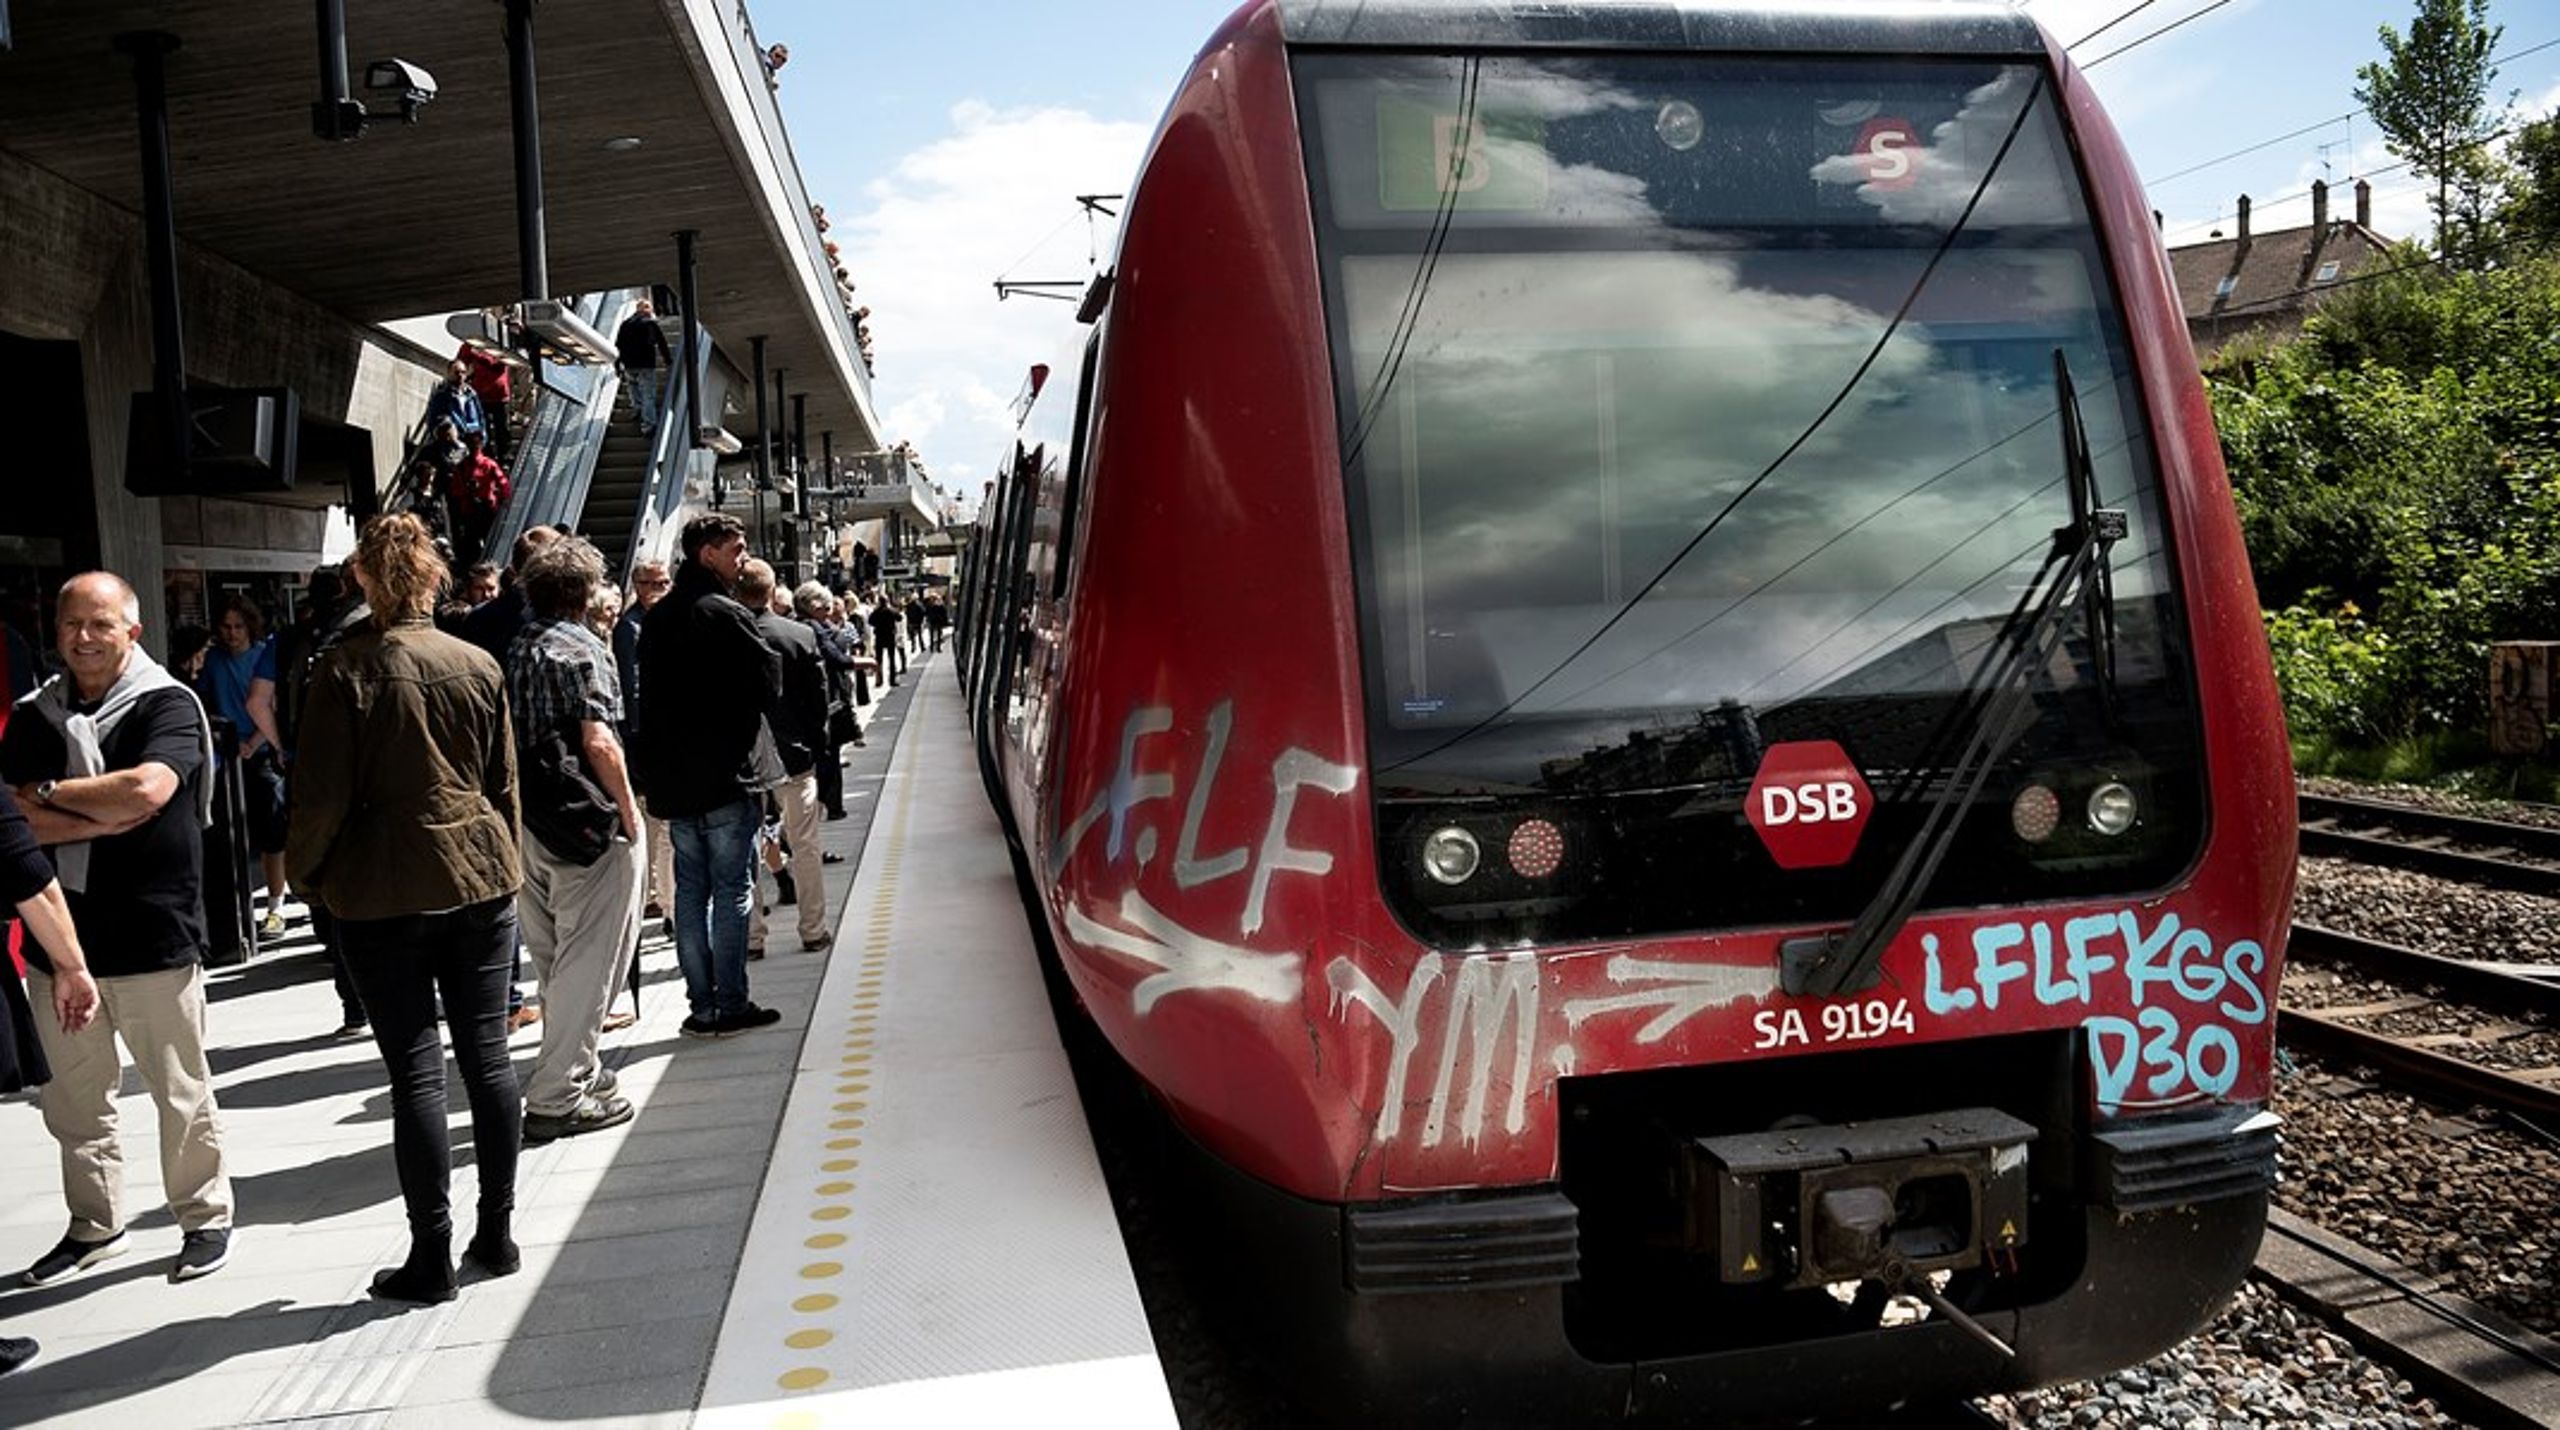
point(948, 219)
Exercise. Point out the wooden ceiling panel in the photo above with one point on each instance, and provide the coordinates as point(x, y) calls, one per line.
point(421, 218)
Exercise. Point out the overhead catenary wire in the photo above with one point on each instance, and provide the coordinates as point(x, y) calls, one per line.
point(2133, 45)
point(2111, 24)
point(2245, 151)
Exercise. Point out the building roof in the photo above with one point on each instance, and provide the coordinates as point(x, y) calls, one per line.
point(421, 219)
point(2230, 285)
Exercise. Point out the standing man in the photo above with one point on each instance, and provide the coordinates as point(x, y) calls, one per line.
point(649, 582)
point(330, 613)
point(640, 352)
point(580, 905)
point(711, 682)
point(494, 384)
point(884, 630)
point(453, 401)
point(799, 725)
point(113, 765)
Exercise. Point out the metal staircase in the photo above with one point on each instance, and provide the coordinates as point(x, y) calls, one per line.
point(621, 479)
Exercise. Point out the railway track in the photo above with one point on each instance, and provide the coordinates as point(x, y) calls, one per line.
point(2426, 1064)
point(2522, 857)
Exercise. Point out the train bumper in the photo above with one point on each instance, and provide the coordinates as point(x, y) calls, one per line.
point(1456, 1310)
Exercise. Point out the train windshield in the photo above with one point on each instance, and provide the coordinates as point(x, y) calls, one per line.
point(1693, 406)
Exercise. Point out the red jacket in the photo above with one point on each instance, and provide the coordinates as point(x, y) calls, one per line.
point(478, 485)
point(490, 376)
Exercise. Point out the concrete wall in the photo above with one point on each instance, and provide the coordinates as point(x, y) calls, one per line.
point(72, 267)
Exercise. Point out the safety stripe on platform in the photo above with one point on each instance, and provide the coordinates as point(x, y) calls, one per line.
point(934, 1244)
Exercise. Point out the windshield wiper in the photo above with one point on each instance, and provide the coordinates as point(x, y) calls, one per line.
point(1995, 708)
point(2098, 592)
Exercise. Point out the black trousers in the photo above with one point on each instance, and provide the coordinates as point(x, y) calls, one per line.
point(830, 774)
point(402, 966)
point(324, 927)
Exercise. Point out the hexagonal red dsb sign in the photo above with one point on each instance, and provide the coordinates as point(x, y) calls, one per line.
point(1809, 804)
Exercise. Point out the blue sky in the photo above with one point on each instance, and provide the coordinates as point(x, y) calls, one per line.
point(947, 140)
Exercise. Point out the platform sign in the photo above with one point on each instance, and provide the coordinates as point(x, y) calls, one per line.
point(1809, 804)
point(1889, 149)
point(1479, 162)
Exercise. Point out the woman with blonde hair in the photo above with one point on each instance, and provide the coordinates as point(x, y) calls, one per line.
point(404, 827)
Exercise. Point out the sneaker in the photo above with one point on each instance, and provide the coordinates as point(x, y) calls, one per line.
point(592, 1114)
point(272, 926)
point(352, 1028)
point(606, 1084)
point(748, 1019)
point(70, 1257)
point(755, 953)
point(699, 1027)
point(202, 1253)
point(15, 1351)
point(816, 945)
point(523, 1018)
point(616, 1022)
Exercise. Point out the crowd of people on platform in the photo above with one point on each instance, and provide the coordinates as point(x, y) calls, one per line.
point(457, 772)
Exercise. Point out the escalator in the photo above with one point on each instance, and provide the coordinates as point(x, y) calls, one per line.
point(614, 492)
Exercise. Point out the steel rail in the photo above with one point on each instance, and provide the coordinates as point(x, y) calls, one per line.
point(2477, 983)
point(2415, 1069)
point(2320, 834)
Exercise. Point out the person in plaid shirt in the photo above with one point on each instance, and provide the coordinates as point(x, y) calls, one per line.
point(580, 907)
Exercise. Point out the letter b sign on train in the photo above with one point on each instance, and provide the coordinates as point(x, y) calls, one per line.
point(1809, 804)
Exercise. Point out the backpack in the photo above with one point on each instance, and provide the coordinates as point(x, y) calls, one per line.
point(564, 807)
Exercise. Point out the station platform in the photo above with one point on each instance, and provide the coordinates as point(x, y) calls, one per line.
point(883, 1211)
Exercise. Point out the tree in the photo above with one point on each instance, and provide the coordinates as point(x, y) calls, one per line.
point(2430, 94)
point(2532, 213)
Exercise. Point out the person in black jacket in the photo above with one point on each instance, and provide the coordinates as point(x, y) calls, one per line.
point(799, 726)
point(27, 881)
point(641, 356)
point(711, 682)
point(884, 630)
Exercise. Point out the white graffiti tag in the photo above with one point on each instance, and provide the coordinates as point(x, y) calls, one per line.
point(1485, 994)
point(1188, 960)
point(1688, 990)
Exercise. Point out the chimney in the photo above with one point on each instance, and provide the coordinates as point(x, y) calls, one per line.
point(2319, 209)
point(2244, 218)
point(2364, 204)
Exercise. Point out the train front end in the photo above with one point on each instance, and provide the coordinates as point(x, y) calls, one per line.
point(1664, 750)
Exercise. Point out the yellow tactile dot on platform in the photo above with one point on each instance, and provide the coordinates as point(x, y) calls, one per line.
point(808, 1340)
point(834, 1189)
point(844, 1124)
point(836, 1164)
point(821, 1270)
point(830, 1213)
point(839, 1089)
point(805, 1378)
point(812, 1305)
point(825, 1241)
point(858, 1087)
point(843, 1144)
point(854, 1106)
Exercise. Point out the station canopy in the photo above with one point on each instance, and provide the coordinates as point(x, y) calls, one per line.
point(413, 219)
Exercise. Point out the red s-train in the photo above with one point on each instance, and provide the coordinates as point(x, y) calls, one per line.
point(1640, 704)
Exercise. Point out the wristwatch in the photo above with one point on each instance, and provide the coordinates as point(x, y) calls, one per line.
point(44, 792)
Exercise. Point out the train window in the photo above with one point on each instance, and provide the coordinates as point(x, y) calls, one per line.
point(1079, 450)
point(1693, 404)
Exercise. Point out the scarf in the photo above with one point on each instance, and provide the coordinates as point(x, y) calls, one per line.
point(84, 739)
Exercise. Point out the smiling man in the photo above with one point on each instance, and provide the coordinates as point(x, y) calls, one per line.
point(112, 763)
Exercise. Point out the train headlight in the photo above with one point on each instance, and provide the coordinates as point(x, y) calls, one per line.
point(1450, 855)
point(2035, 814)
point(1680, 126)
point(2112, 808)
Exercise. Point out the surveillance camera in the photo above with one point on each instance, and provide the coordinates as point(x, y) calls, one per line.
point(411, 82)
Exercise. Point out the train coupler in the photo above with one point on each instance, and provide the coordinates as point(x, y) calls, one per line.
point(1893, 1200)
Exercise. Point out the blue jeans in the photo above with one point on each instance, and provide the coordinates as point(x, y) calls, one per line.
point(715, 880)
point(644, 383)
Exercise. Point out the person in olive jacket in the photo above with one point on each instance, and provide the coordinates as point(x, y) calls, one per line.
point(404, 827)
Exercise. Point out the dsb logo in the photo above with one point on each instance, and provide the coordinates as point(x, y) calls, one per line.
point(1809, 804)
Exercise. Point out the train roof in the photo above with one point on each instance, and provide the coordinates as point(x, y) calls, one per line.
point(1966, 27)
